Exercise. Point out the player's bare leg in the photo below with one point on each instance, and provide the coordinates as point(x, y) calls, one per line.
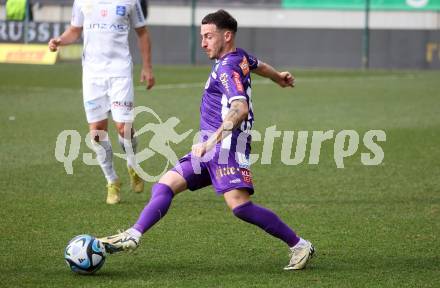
point(238, 200)
point(162, 194)
point(103, 149)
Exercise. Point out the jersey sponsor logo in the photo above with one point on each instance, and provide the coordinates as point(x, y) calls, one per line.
point(121, 10)
point(224, 80)
point(244, 65)
point(126, 105)
point(225, 171)
point(246, 175)
point(237, 81)
point(107, 27)
point(139, 13)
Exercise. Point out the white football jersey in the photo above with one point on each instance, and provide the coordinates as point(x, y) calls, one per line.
point(106, 24)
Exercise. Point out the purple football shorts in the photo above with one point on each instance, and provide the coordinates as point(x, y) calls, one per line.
point(225, 170)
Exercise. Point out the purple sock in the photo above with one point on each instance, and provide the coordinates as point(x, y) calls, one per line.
point(157, 207)
point(266, 220)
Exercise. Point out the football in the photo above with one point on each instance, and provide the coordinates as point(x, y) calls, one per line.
point(84, 254)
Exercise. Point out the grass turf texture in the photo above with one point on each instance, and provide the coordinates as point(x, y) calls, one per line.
point(372, 226)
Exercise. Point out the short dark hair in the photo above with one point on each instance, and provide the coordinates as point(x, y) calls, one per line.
point(221, 19)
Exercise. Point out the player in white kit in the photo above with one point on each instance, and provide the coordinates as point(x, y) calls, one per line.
point(108, 77)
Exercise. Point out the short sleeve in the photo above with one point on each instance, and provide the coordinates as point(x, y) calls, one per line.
point(253, 62)
point(77, 15)
point(137, 16)
point(231, 83)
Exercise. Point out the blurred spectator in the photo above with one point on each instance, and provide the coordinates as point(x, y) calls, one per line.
point(16, 10)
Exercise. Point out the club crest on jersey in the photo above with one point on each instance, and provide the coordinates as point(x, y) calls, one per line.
point(244, 65)
point(237, 81)
point(120, 10)
point(104, 12)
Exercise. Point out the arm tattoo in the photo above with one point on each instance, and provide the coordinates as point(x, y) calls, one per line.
point(235, 115)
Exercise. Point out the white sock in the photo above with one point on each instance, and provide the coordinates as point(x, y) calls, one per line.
point(301, 242)
point(135, 233)
point(131, 159)
point(104, 154)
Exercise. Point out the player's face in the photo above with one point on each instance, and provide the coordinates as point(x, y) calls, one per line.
point(213, 40)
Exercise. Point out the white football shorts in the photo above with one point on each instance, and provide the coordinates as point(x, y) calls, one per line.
point(108, 95)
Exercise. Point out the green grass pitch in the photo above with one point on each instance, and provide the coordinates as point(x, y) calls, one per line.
point(373, 226)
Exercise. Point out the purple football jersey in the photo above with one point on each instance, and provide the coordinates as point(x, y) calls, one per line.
point(230, 79)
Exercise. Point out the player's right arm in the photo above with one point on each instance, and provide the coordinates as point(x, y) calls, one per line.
point(71, 35)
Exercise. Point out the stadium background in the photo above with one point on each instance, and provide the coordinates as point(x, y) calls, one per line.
point(327, 33)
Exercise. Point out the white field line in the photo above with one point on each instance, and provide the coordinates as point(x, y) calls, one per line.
point(200, 85)
point(301, 80)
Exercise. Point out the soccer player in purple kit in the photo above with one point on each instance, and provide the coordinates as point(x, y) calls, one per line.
point(221, 158)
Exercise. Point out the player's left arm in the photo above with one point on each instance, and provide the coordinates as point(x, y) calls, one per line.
point(144, 44)
point(284, 79)
point(237, 113)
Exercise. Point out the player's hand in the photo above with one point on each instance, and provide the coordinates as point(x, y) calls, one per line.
point(54, 43)
point(286, 79)
point(147, 77)
point(199, 149)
